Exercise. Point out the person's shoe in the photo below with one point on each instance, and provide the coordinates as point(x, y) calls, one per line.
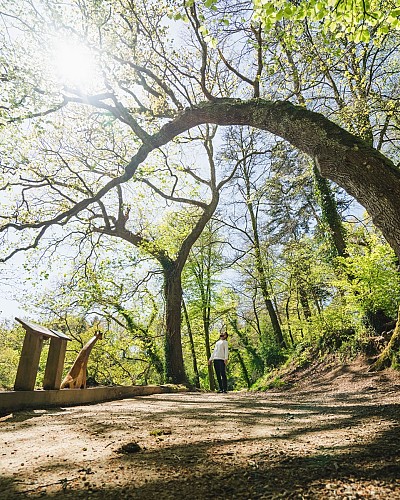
point(220, 392)
point(225, 392)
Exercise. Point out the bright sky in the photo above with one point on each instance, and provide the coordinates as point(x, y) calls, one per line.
point(10, 308)
point(14, 283)
point(11, 295)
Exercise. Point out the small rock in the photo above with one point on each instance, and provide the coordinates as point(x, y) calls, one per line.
point(129, 448)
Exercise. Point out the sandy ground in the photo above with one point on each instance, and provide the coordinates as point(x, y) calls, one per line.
point(334, 434)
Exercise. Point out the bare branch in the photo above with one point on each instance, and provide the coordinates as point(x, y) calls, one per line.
point(176, 199)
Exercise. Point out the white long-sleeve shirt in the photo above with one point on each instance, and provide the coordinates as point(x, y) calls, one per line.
point(220, 350)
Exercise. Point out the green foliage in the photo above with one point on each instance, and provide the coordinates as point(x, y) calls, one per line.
point(269, 382)
point(272, 355)
point(11, 340)
point(376, 283)
point(356, 20)
point(65, 155)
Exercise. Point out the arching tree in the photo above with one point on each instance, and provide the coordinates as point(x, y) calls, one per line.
point(147, 93)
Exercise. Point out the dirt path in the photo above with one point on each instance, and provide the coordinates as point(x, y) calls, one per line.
point(336, 438)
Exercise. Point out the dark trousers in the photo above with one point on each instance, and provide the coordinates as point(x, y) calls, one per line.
point(220, 370)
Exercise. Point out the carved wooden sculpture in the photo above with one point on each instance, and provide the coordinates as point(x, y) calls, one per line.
point(76, 377)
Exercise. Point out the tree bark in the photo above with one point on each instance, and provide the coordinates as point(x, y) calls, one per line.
point(304, 303)
point(261, 270)
point(174, 367)
point(203, 278)
point(243, 367)
point(386, 357)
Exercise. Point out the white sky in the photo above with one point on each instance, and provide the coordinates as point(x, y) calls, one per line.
point(10, 308)
point(15, 283)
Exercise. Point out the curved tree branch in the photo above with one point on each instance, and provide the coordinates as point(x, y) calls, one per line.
point(344, 158)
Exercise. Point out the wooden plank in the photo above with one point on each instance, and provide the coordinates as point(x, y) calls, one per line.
point(13, 401)
point(41, 330)
point(29, 362)
point(54, 364)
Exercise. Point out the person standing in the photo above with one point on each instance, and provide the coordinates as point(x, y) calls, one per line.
point(220, 358)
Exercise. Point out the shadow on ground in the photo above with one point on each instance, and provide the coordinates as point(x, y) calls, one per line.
point(271, 468)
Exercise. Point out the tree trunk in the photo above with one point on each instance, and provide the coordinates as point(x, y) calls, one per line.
point(261, 269)
point(330, 213)
point(288, 320)
point(257, 360)
point(205, 292)
point(193, 351)
point(210, 367)
point(174, 367)
point(385, 358)
point(304, 303)
point(242, 366)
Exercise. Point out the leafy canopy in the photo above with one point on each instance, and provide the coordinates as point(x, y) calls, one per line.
point(355, 19)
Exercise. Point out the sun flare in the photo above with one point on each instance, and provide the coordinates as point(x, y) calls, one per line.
point(75, 64)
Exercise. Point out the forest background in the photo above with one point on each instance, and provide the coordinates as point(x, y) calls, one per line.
point(161, 241)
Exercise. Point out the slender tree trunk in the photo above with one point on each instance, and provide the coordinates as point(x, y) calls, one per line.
point(209, 367)
point(298, 314)
point(274, 321)
point(192, 349)
point(288, 320)
point(317, 304)
point(260, 268)
point(205, 291)
point(256, 316)
point(256, 359)
point(242, 366)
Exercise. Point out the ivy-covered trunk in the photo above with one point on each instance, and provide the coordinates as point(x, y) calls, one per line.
point(389, 354)
point(330, 214)
point(174, 367)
